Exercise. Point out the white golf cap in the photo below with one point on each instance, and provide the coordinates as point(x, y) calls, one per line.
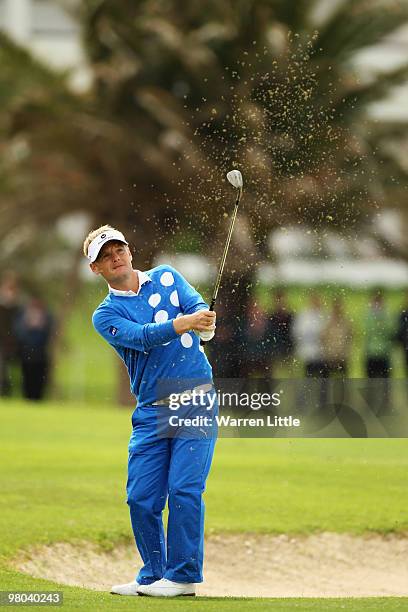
point(98, 242)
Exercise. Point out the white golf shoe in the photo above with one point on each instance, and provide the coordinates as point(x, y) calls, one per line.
point(125, 589)
point(167, 588)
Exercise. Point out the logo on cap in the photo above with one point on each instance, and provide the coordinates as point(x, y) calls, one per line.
point(100, 240)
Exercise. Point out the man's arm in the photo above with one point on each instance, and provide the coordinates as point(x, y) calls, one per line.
point(192, 302)
point(119, 331)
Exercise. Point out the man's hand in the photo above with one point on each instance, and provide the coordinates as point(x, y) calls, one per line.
point(201, 321)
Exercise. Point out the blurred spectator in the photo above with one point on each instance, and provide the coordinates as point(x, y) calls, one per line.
point(33, 328)
point(9, 310)
point(402, 332)
point(336, 340)
point(228, 348)
point(279, 331)
point(308, 328)
point(379, 330)
point(257, 350)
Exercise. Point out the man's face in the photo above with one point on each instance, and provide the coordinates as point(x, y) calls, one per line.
point(114, 262)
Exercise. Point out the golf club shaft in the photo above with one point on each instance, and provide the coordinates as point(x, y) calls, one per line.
point(224, 255)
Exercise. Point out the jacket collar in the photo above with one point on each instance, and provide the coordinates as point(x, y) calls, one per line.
point(143, 278)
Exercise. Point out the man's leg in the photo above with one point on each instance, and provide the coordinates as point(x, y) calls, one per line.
point(384, 374)
point(378, 397)
point(319, 371)
point(3, 374)
point(147, 493)
point(189, 467)
point(339, 369)
point(27, 379)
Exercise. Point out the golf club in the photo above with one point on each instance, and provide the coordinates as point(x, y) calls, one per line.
point(235, 178)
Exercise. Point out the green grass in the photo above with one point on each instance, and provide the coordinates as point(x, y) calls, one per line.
point(63, 472)
point(82, 599)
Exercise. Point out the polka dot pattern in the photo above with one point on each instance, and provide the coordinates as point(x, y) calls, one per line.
point(186, 340)
point(174, 298)
point(161, 316)
point(154, 300)
point(167, 279)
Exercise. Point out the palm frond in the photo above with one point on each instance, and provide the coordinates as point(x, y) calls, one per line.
point(357, 25)
point(359, 97)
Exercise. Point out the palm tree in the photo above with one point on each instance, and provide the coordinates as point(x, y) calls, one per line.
point(180, 97)
point(254, 84)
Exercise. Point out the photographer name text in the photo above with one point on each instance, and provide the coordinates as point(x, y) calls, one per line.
point(230, 421)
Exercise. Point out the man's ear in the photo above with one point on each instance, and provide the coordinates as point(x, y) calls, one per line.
point(94, 268)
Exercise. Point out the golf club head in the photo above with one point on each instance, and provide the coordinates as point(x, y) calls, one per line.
point(235, 178)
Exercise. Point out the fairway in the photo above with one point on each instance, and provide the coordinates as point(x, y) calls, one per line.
point(63, 472)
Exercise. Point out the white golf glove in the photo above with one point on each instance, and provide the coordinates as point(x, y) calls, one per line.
point(207, 336)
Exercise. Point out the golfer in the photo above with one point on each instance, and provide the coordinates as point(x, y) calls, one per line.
point(149, 318)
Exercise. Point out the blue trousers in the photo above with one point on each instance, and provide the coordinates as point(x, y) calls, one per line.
point(173, 470)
